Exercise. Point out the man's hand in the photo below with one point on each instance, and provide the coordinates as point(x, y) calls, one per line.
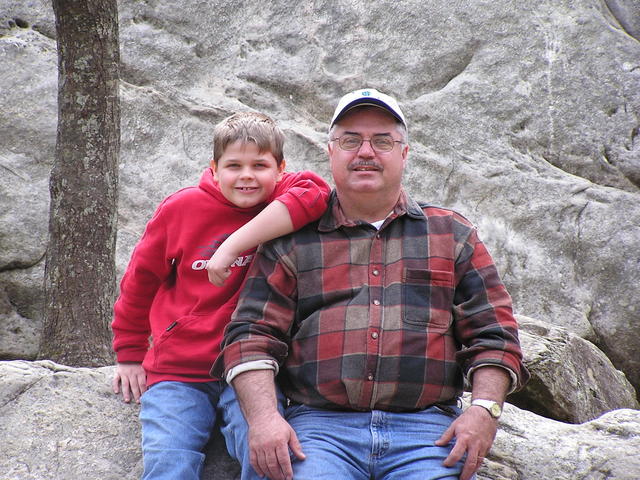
point(218, 267)
point(474, 432)
point(270, 436)
point(269, 442)
point(133, 380)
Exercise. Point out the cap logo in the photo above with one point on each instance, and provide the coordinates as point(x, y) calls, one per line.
point(365, 93)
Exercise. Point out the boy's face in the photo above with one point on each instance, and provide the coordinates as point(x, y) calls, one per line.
point(246, 176)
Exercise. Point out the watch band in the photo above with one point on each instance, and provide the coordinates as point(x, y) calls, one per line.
point(494, 408)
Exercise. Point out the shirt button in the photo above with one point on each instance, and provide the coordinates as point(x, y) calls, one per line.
point(376, 302)
point(374, 335)
point(376, 273)
point(370, 377)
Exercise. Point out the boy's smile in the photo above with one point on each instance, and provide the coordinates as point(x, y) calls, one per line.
point(246, 176)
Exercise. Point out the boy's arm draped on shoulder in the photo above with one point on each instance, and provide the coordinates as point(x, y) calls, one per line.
point(272, 222)
point(299, 198)
point(305, 194)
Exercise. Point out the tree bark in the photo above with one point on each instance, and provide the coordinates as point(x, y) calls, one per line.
point(80, 261)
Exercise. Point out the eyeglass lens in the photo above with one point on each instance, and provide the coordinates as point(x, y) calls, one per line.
point(380, 143)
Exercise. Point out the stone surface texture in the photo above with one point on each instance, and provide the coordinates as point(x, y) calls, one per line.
point(63, 423)
point(524, 116)
point(571, 379)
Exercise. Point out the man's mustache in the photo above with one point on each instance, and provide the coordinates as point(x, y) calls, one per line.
point(367, 164)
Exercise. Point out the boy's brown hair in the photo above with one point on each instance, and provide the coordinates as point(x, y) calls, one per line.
point(249, 127)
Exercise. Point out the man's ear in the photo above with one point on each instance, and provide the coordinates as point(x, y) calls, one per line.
point(405, 155)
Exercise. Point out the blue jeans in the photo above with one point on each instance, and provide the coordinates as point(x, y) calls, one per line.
point(372, 445)
point(177, 419)
point(235, 430)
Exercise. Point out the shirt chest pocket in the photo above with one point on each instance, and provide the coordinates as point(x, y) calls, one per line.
point(427, 298)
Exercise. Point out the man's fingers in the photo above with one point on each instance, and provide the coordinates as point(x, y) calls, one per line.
point(295, 446)
point(446, 437)
point(284, 462)
point(253, 459)
point(471, 465)
point(455, 455)
point(271, 466)
point(115, 383)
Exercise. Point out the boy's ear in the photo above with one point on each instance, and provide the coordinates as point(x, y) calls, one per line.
point(212, 164)
point(281, 168)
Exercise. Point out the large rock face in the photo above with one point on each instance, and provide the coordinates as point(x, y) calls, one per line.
point(523, 115)
point(529, 447)
point(61, 423)
point(571, 379)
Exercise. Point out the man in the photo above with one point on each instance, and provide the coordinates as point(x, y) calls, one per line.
point(373, 316)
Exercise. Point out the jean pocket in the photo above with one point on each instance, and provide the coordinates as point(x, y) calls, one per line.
point(293, 410)
point(448, 410)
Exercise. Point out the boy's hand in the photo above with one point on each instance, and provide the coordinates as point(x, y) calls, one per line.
point(218, 267)
point(132, 378)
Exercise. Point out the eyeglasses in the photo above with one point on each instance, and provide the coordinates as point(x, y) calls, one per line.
point(381, 143)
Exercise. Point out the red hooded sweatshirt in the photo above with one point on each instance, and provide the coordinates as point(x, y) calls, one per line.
point(168, 315)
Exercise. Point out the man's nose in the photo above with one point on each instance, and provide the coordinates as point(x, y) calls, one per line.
point(366, 150)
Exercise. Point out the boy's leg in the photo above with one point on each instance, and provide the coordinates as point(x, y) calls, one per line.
point(177, 419)
point(235, 430)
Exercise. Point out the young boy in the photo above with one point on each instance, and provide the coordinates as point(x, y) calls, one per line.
point(244, 199)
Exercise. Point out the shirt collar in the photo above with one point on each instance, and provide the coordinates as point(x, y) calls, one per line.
point(335, 218)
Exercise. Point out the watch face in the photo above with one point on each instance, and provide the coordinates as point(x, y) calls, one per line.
point(496, 410)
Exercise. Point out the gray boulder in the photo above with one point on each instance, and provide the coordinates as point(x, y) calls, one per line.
point(62, 423)
point(571, 379)
point(523, 116)
point(530, 447)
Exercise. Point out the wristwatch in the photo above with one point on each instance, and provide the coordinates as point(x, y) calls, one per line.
point(492, 407)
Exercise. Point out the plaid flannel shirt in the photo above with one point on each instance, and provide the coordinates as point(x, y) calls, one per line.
point(387, 319)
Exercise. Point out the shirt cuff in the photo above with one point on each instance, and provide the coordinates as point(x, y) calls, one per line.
point(512, 375)
point(252, 365)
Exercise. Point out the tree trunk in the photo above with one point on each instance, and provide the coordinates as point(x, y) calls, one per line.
point(80, 262)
